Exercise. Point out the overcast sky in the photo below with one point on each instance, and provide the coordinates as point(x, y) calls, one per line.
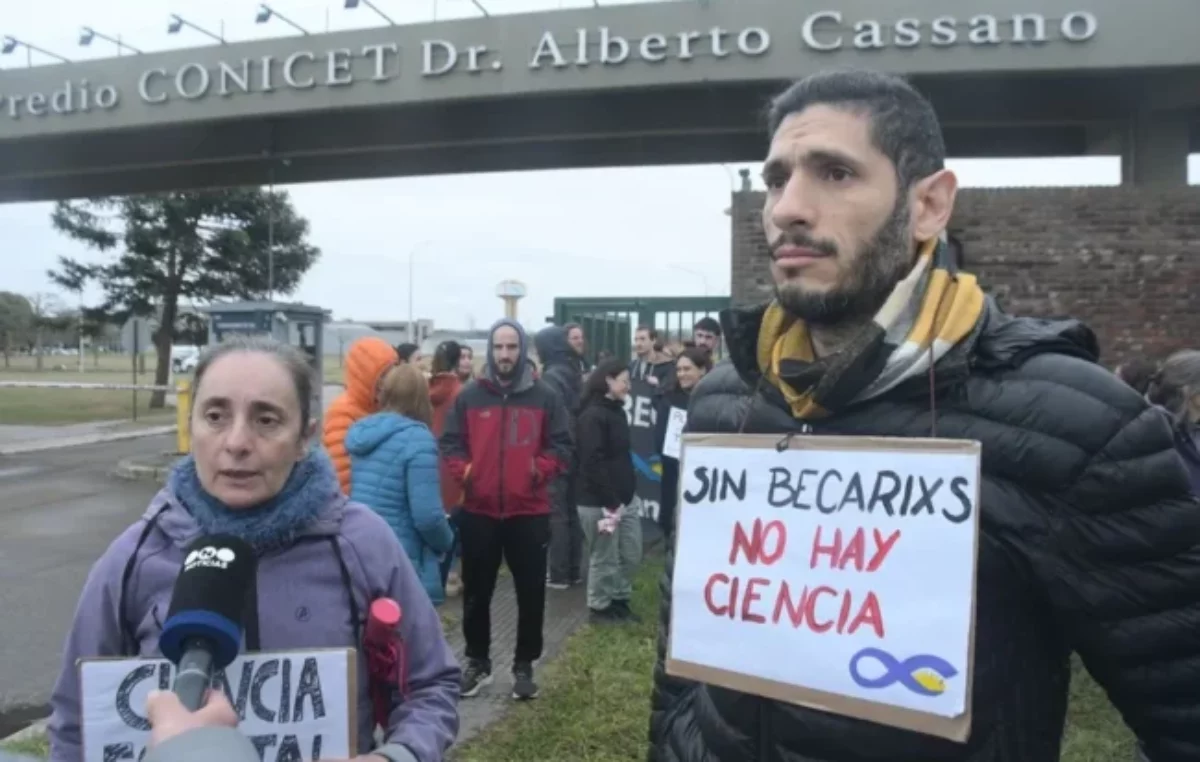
point(635, 231)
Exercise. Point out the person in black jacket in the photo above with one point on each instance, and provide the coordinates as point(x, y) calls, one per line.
point(691, 366)
point(1089, 536)
point(408, 353)
point(561, 371)
point(1175, 387)
point(605, 487)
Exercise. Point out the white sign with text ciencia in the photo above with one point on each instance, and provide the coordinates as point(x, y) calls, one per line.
point(294, 706)
point(820, 31)
point(844, 569)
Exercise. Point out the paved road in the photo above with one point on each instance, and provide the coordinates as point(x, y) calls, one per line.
point(59, 510)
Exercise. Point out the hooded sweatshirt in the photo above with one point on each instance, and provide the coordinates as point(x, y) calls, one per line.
point(366, 362)
point(443, 389)
point(505, 440)
point(560, 368)
point(307, 538)
point(395, 472)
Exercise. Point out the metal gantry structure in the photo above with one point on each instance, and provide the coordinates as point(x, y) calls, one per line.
point(87, 34)
point(177, 23)
point(10, 44)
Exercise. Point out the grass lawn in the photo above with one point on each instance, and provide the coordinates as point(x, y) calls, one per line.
point(54, 407)
point(596, 694)
point(61, 366)
point(34, 746)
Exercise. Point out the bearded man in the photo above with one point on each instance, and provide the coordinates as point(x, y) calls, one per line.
point(1089, 536)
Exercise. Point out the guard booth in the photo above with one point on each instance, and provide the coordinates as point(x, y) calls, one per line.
point(300, 325)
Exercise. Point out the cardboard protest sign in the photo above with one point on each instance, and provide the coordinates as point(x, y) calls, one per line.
point(673, 441)
point(643, 450)
point(293, 705)
point(842, 567)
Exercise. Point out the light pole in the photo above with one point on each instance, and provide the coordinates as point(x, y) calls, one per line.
point(352, 4)
point(412, 318)
point(266, 13)
point(87, 34)
point(271, 232)
point(81, 330)
point(12, 43)
point(703, 278)
point(176, 23)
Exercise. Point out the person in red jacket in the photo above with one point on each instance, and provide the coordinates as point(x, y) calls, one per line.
point(504, 441)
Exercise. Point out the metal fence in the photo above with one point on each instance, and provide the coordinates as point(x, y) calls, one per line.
point(609, 322)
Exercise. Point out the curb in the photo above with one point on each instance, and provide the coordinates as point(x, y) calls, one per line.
point(133, 470)
point(36, 728)
point(117, 436)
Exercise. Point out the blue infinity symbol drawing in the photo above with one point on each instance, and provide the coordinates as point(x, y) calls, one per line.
point(645, 466)
point(923, 674)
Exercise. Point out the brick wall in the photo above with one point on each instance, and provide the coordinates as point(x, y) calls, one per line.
point(1125, 260)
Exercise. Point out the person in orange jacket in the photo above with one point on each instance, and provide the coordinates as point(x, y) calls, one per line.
point(367, 361)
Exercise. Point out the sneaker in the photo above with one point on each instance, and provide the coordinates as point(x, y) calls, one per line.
point(524, 688)
point(606, 615)
point(555, 585)
point(477, 674)
point(624, 612)
point(577, 579)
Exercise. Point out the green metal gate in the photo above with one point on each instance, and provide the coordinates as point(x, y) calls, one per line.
point(609, 321)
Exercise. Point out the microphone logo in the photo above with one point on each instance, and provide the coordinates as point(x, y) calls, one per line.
point(209, 557)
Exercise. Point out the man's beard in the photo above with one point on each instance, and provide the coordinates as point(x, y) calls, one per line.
point(862, 290)
point(506, 373)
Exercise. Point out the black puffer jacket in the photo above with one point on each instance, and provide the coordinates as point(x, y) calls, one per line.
point(605, 476)
point(1089, 542)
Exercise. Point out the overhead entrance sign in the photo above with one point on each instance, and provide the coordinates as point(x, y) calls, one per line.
point(340, 65)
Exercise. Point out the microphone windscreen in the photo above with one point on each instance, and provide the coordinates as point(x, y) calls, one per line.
point(210, 595)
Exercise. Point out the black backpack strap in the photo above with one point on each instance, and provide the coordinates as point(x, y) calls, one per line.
point(348, 582)
point(129, 646)
point(253, 639)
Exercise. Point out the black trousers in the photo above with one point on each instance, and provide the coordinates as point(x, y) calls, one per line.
point(669, 498)
point(521, 542)
point(566, 533)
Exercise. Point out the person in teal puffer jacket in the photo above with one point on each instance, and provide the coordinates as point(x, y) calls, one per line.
point(394, 470)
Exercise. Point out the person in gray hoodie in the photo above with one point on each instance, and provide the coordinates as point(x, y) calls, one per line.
point(322, 559)
point(562, 372)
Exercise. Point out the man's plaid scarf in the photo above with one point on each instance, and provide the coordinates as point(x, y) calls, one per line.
point(927, 313)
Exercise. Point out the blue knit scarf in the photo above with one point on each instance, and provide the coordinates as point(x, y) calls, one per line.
point(272, 525)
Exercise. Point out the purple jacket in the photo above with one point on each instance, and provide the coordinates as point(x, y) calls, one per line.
point(302, 603)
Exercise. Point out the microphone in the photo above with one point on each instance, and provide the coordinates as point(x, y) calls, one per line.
point(203, 631)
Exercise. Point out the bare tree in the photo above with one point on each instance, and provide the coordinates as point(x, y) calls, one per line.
point(47, 315)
